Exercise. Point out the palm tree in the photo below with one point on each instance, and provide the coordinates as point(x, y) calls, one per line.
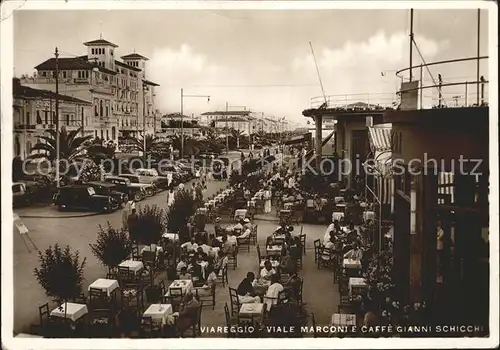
point(237, 134)
point(71, 146)
point(190, 144)
point(151, 143)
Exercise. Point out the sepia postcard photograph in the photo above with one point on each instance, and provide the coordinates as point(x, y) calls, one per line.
point(249, 174)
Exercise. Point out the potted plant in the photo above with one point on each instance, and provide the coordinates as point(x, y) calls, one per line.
point(183, 207)
point(113, 246)
point(60, 273)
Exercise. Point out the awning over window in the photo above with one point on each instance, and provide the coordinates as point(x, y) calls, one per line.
point(380, 139)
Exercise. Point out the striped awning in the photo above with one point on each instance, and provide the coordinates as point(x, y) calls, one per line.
point(380, 138)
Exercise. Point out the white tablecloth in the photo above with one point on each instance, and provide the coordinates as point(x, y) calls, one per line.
point(339, 200)
point(274, 263)
point(337, 215)
point(230, 239)
point(343, 320)
point(251, 310)
point(158, 312)
point(147, 248)
point(105, 285)
point(186, 285)
point(276, 249)
point(133, 265)
point(356, 282)
point(352, 264)
point(240, 213)
point(73, 311)
point(368, 215)
point(172, 236)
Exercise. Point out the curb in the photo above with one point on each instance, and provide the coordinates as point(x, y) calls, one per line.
point(58, 217)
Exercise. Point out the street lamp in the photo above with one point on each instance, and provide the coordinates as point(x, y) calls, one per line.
point(227, 128)
point(182, 116)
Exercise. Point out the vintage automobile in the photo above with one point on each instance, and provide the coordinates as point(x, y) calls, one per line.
point(108, 189)
point(20, 194)
point(123, 185)
point(83, 197)
point(161, 182)
point(146, 183)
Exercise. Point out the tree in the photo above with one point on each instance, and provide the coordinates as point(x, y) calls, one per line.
point(190, 145)
point(152, 142)
point(150, 225)
point(71, 145)
point(60, 273)
point(236, 134)
point(183, 207)
point(113, 246)
point(91, 171)
point(98, 150)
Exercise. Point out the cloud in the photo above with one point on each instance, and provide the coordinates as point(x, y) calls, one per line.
point(353, 68)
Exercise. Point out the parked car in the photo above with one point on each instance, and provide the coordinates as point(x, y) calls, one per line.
point(123, 185)
point(20, 194)
point(146, 183)
point(160, 182)
point(83, 197)
point(109, 189)
point(178, 176)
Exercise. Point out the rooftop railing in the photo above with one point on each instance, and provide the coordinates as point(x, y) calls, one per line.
point(432, 92)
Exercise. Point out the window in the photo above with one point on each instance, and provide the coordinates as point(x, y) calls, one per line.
point(53, 118)
point(44, 74)
point(67, 119)
point(38, 118)
point(107, 108)
point(28, 118)
point(96, 107)
point(101, 110)
point(102, 134)
point(46, 116)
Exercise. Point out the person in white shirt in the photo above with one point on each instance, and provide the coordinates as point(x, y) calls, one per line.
point(206, 248)
point(355, 253)
point(331, 243)
point(181, 264)
point(190, 246)
point(267, 271)
point(271, 297)
point(247, 224)
point(328, 232)
point(245, 233)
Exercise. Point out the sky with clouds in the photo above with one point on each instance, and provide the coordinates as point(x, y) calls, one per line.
point(262, 59)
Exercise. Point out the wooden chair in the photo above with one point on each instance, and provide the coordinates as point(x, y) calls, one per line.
point(325, 257)
point(125, 275)
point(284, 278)
point(222, 276)
point(235, 302)
point(244, 243)
point(317, 244)
point(174, 296)
point(101, 324)
point(253, 234)
point(44, 315)
point(303, 242)
point(135, 255)
point(233, 258)
point(313, 320)
point(149, 328)
point(231, 321)
point(132, 297)
point(98, 299)
point(207, 300)
point(344, 304)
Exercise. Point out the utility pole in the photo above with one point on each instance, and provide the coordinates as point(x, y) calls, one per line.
point(144, 87)
point(182, 123)
point(56, 53)
point(411, 45)
point(227, 129)
point(478, 53)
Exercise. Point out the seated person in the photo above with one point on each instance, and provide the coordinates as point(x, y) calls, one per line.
point(237, 229)
point(189, 313)
point(267, 271)
point(183, 274)
point(331, 243)
point(295, 248)
point(247, 224)
point(355, 253)
point(221, 261)
point(227, 247)
point(200, 255)
point(288, 264)
point(206, 288)
point(205, 248)
point(200, 238)
point(246, 233)
point(190, 246)
point(246, 291)
point(271, 297)
point(293, 286)
point(217, 227)
point(328, 234)
point(213, 241)
point(182, 264)
point(169, 247)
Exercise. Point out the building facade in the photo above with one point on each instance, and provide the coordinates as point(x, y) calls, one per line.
point(123, 99)
point(34, 111)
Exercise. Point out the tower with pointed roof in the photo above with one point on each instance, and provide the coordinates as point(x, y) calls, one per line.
point(138, 61)
point(101, 51)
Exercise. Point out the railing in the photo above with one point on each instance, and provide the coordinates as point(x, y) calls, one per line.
point(436, 92)
point(367, 101)
point(447, 93)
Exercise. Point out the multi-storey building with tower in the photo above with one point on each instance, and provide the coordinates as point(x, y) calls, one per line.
point(122, 98)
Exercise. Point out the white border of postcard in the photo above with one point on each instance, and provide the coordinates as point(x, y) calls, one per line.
point(6, 72)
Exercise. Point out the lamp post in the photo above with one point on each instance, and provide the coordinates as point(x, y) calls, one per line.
point(56, 53)
point(227, 128)
point(182, 116)
point(144, 89)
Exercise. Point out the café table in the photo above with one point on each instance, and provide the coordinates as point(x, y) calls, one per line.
point(351, 264)
point(251, 311)
point(230, 238)
point(240, 213)
point(274, 250)
point(274, 263)
point(368, 215)
point(70, 311)
point(343, 320)
point(356, 282)
point(337, 215)
point(338, 200)
point(261, 286)
point(159, 312)
point(147, 248)
point(186, 285)
point(133, 265)
point(106, 285)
